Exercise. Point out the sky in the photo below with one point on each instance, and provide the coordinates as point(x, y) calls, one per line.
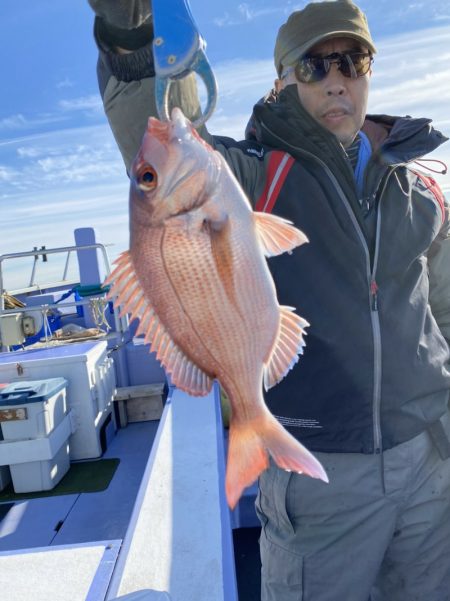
point(59, 165)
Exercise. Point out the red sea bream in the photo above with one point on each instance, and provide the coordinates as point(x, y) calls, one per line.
point(197, 279)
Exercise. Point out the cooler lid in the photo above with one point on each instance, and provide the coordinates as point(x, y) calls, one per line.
point(35, 391)
point(67, 353)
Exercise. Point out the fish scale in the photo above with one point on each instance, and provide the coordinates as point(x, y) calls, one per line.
point(209, 324)
point(197, 279)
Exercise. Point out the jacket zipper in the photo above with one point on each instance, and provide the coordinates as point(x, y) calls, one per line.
point(378, 443)
point(375, 319)
point(371, 279)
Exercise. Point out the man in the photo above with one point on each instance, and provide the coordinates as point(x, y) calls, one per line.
point(370, 395)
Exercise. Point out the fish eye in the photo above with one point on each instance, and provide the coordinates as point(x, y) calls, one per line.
point(147, 178)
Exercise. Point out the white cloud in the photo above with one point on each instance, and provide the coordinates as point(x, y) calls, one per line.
point(78, 167)
point(438, 18)
point(224, 21)
point(17, 121)
point(244, 14)
point(411, 75)
point(56, 159)
point(50, 217)
point(223, 125)
point(241, 77)
point(250, 13)
point(28, 152)
point(65, 83)
point(8, 174)
point(92, 102)
point(54, 182)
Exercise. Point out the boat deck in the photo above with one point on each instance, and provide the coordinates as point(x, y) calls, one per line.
point(162, 524)
point(84, 517)
point(165, 504)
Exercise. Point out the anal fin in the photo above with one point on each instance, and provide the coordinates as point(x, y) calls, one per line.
point(288, 346)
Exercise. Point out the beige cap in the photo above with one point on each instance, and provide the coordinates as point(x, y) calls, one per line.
point(317, 22)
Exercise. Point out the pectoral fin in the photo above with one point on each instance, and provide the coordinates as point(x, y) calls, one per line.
point(128, 295)
point(218, 228)
point(277, 235)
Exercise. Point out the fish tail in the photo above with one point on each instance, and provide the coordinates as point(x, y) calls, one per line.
point(248, 450)
point(247, 458)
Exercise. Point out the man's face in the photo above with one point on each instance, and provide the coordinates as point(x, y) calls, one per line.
point(337, 102)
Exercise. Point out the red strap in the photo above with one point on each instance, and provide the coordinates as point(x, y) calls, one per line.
point(279, 165)
point(432, 185)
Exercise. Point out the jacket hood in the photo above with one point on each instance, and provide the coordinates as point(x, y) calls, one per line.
point(407, 138)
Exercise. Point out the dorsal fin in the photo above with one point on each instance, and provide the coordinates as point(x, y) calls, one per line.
point(288, 345)
point(277, 235)
point(127, 291)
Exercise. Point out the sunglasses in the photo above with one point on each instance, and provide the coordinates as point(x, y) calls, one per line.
point(315, 68)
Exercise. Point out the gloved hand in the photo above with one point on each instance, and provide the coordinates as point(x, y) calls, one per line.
point(123, 14)
point(123, 24)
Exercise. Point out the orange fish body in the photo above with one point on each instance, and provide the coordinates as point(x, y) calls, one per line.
point(197, 279)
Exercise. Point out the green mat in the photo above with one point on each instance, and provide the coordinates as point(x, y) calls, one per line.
point(87, 476)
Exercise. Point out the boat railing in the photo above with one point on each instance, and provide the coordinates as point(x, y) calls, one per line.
point(120, 323)
point(36, 253)
point(179, 540)
point(178, 545)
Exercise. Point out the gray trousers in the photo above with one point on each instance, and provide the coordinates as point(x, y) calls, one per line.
point(379, 531)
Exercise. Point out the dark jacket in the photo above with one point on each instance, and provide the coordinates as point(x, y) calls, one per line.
point(374, 370)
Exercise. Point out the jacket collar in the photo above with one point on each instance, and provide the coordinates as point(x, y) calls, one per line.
point(286, 125)
point(395, 140)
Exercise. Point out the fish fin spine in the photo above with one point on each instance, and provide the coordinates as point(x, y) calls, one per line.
point(277, 235)
point(287, 347)
point(129, 297)
point(184, 373)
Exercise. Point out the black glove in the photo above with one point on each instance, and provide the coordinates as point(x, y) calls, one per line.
point(122, 14)
point(124, 23)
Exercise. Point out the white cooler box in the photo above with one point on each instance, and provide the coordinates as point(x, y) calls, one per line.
point(91, 386)
point(35, 430)
point(5, 473)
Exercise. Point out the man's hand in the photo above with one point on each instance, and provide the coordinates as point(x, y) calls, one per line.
point(123, 14)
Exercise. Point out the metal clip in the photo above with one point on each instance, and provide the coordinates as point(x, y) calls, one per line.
point(178, 50)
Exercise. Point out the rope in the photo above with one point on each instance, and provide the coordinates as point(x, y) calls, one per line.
point(47, 329)
point(11, 302)
point(442, 171)
point(98, 306)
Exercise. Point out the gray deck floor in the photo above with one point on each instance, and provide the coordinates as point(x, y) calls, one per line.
point(89, 516)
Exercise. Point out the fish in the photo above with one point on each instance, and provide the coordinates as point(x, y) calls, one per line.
point(197, 279)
